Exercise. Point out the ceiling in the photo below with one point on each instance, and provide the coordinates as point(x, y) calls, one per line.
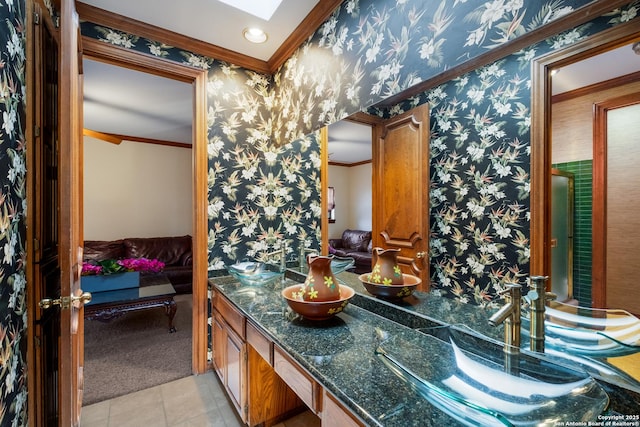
point(129, 102)
point(214, 22)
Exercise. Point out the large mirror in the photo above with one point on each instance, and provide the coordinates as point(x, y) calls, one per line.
point(385, 185)
point(583, 157)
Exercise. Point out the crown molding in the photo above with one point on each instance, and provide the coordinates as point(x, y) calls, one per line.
point(307, 27)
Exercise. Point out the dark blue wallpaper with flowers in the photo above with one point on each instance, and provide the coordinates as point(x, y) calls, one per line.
point(261, 192)
point(13, 204)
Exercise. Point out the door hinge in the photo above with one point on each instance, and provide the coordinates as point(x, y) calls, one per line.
point(36, 18)
point(36, 244)
point(36, 131)
point(36, 340)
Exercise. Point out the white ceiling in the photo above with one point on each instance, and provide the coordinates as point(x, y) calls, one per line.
point(132, 103)
point(214, 22)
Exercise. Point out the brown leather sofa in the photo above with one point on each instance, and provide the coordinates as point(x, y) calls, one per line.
point(175, 252)
point(355, 244)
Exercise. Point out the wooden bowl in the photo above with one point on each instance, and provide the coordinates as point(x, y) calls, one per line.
point(317, 310)
point(410, 283)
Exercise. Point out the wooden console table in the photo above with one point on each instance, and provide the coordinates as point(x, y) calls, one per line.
point(156, 292)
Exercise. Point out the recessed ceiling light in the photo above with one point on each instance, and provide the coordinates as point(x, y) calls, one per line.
point(263, 9)
point(254, 35)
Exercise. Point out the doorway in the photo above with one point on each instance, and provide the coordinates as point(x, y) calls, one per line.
point(196, 78)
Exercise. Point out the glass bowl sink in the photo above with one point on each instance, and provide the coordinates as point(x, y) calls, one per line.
point(340, 264)
point(589, 331)
point(476, 383)
point(251, 273)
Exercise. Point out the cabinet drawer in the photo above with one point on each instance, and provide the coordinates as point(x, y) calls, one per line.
point(297, 379)
point(231, 315)
point(260, 343)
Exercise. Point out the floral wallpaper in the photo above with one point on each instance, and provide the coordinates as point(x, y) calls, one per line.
point(369, 50)
point(480, 161)
point(13, 310)
point(261, 192)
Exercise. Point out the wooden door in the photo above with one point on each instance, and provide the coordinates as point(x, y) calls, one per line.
point(55, 397)
point(401, 190)
point(616, 200)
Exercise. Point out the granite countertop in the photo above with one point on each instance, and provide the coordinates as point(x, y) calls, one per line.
point(340, 352)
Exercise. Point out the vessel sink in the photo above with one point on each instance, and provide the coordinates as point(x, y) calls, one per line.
point(340, 264)
point(254, 273)
point(476, 383)
point(588, 331)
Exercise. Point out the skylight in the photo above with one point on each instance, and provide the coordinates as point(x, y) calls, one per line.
point(263, 9)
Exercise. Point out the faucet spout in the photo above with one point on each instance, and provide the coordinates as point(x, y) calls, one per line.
point(501, 315)
point(282, 254)
point(509, 314)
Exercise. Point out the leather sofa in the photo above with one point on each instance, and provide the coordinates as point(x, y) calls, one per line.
point(175, 252)
point(355, 244)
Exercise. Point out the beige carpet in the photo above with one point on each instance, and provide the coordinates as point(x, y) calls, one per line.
point(136, 351)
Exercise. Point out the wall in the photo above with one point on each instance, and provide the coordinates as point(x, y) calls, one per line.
point(13, 208)
point(136, 190)
point(572, 123)
point(353, 198)
point(366, 51)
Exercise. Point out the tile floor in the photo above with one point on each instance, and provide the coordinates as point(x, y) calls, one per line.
point(197, 401)
point(191, 401)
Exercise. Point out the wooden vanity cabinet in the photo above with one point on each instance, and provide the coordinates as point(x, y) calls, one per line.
point(265, 384)
point(243, 360)
point(230, 354)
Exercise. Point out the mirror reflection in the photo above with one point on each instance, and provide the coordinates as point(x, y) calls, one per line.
point(576, 191)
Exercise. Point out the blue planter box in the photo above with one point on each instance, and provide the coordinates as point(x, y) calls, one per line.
point(111, 282)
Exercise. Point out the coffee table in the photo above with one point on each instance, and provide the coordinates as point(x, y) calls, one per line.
point(154, 291)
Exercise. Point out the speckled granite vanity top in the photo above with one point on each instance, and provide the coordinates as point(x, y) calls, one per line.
point(340, 352)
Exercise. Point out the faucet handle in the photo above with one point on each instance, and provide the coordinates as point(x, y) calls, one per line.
point(550, 296)
point(511, 290)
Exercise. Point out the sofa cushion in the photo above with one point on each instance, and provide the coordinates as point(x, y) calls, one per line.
point(170, 250)
point(99, 250)
point(356, 239)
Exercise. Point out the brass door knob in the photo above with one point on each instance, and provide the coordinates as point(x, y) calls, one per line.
point(82, 299)
point(65, 302)
point(421, 255)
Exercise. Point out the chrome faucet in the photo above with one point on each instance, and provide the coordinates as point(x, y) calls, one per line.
point(509, 314)
point(282, 253)
point(537, 299)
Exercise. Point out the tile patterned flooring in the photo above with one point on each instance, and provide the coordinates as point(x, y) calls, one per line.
point(192, 401)
point(195, 401)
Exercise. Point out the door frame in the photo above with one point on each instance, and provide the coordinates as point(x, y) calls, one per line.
point(541, 67)
point(114, 55)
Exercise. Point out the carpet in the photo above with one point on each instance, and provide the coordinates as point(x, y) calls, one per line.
point(136, 351)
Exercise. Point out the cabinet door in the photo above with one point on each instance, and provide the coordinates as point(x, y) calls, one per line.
point(219, 347)
point(236, 372)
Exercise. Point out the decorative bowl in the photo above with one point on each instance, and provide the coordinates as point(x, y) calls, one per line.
point(410, 283)
point(254, 273)
point(317, 310)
